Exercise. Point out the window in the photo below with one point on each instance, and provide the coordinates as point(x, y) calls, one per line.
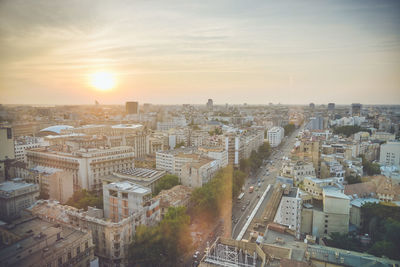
point(60, 261)
point(78, 250)
point(86, 245)
point(9, 133)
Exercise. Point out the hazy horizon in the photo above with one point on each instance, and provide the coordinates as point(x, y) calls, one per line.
point(180, 52)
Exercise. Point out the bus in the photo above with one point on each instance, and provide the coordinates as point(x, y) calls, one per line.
point(241, 196)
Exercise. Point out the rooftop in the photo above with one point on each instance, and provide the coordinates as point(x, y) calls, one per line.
point(56, 128)
point(129, 187)
point(12, 186)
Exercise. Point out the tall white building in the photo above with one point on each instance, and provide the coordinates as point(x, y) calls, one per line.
point(390, 154)
point(275, 136)
point(289, 211)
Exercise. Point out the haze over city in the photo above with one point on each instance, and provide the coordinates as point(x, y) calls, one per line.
point(166, 133)
point(175, 52)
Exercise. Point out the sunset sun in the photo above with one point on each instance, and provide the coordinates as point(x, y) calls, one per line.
point(102, 81)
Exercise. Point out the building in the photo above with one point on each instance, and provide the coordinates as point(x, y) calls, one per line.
point(315, 123)
point(31, 241)
point(334, 257)
point(218, 153)
point(145, 177)
point(173, 161)
point(331, 107)
point(24, 143)
point(16, 196)
point(198, 172)
point(355, 210)
point(289, 210)
point(210, 104)
point(132, 107)
point(332, 216)
point(177, 196)
point(87, 166)
point(54, 130)
point(56, 184)
point(123, 199)
point(311, 105)
point(390, 154)
point(275, 136)
point(315, 186)
point(297, 171)
point(7, 149)
point(383, 136)
point(356, 109)
point(111, 239)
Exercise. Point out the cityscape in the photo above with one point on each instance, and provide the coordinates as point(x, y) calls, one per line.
point(184, 133)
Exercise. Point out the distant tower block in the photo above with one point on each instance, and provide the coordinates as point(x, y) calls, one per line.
point(331, 106)
point(132, 107)
point(312, 105)
point(356, 109)
point(210, 104)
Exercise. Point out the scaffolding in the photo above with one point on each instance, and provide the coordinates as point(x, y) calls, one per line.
point(228, 256)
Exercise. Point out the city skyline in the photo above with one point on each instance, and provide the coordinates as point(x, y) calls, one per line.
point(183, 52)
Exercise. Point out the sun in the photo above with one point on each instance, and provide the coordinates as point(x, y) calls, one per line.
point(102, 81)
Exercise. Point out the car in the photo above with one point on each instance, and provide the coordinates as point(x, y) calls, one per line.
point(248, 202)
point(235, 221)
point(258, 196)
point(248, 216)
point(243, 208)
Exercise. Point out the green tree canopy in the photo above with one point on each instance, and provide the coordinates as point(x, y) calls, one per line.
point(83, 198)
point(166, 182)
point(163, 244)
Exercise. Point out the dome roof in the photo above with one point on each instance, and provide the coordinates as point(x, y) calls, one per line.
point(56, 128)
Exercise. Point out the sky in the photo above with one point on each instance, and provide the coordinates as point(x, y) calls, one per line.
point(175, 52)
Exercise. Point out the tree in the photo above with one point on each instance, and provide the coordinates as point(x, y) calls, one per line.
point(163, 244)
point(370, 168)
point(166, 182)
point(83, 198)
point(289, 129)
point(344, 241)
point(238, 182)
point(353, 179)
point(180, 144)
point(348, 130)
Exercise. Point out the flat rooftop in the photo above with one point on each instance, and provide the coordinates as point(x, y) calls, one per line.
point(128, 187)
point(142, 172)
point(12, 186)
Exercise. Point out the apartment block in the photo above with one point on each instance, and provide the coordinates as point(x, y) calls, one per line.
point(297, 171)
point(275, 136)
point(289, 211)
point(123, 199)
point(390, 154)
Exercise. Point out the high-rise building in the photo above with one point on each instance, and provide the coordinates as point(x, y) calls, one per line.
point(312, 105)
point(331, 106)
point(210, 104)
point(390, 154)
point(275, 136)
point(356, 109)
point(132, 107)
point(6, 149)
